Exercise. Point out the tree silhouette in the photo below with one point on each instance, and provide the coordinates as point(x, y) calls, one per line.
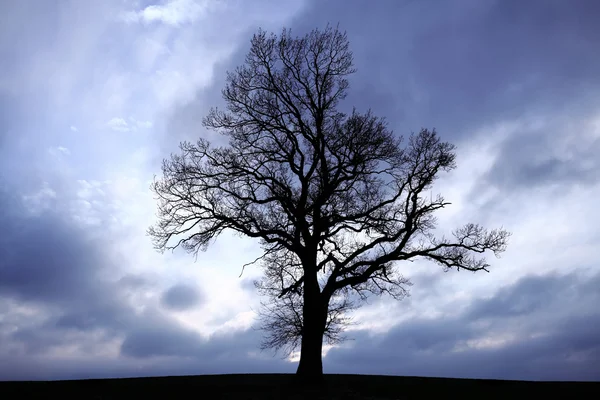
point(335, 199)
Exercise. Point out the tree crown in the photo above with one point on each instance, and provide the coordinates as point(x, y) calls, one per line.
point(327, 193)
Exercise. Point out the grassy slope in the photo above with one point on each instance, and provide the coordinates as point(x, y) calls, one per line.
point(276, 386)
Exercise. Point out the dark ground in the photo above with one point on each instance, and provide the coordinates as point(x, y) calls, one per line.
point(279, 386)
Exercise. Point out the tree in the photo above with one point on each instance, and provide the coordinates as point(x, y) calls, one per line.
point(335, 199)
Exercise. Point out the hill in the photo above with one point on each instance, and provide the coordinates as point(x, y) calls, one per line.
point(280, 386)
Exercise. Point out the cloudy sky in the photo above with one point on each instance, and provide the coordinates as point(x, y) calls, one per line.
point(94, 94)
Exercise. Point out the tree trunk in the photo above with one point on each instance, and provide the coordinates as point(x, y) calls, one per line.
point(310, 367)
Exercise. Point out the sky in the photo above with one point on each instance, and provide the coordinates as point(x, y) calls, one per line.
point(94, 94)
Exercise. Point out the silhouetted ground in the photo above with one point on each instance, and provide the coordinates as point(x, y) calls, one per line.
point(280, 386)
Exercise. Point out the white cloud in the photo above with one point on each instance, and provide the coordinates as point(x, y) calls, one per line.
point(74, 128)
point(121, 125)
point(141, 124)
point(174, 12)
point(118, 124)
point(63, 150)
point(59, 151)
point(40, 200)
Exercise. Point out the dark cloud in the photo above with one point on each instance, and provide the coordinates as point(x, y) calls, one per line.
point(528, 160)
point(528, 295)
point(160, 340)
point(51, 265)
point(460, 68)
point(111, 316)
point(550, 328)
point(134, 281)
point(46, 261)
point(181, 297)
point(50, 262)
point(228, 353)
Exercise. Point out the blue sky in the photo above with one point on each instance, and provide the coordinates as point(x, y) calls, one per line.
point(94, 94)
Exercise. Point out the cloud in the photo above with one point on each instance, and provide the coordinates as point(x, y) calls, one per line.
point(79, 277)
point(59, 151)
point(121, 125)
point(180, 297)
point(528, 295)
point(550, 152)
point(513, 334)
point(142, 124)
point(118, 124)
point(46, 258)
point(63, 297)
point(160, 340)
point(40, 200)
point(173, 12)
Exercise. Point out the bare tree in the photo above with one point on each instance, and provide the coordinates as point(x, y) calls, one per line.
point(281, 317)
point(335, 199)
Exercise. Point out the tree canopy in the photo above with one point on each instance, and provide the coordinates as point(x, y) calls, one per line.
point(336, 199)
